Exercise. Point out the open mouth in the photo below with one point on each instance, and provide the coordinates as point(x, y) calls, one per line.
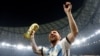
point(52, 36)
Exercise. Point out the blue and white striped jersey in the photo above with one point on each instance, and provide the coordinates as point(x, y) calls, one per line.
point(60, 49)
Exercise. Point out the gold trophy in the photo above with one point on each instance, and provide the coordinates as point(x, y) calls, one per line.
point(33, 27)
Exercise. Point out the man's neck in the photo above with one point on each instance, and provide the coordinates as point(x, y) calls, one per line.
point(54, 43)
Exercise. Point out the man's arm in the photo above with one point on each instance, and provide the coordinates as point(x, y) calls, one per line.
point(34, 45)
point(73, 27)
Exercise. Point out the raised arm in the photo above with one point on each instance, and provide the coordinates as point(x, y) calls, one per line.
point(34, 45)
point(30, 35)
point(73, 27)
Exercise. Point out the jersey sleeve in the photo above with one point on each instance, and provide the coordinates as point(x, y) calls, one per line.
point(44, 50)
point(65, 43)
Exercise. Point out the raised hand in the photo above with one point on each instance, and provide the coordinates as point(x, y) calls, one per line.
point(67, 7)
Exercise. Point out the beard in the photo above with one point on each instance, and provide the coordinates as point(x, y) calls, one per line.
point(53, 40)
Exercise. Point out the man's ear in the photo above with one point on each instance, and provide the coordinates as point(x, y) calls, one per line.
point(59, 37)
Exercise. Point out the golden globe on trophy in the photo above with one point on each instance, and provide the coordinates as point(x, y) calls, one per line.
point(33, 27)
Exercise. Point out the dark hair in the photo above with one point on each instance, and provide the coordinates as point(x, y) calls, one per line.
point(55, 30)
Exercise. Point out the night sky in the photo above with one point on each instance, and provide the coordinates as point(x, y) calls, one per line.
point(24, 13)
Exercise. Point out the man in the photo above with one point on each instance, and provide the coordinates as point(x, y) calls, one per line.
point(58, 47)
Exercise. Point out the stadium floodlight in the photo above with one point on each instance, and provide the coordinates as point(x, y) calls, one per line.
point(3, 43)
point(97, 32)
point(20, 46)
point(77, 42)
point(84, 39)
point(7, 44)
point(29, 47)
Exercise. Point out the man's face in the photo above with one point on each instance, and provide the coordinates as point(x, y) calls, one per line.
point(54, 36)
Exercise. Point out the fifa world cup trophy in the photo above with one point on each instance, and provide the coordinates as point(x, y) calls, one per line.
point(33, 27)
